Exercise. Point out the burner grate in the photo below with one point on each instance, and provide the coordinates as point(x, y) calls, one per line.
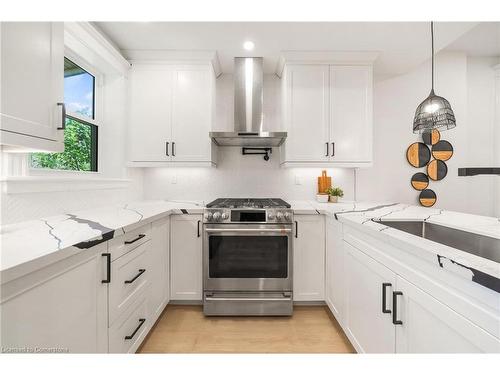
point(248, 203)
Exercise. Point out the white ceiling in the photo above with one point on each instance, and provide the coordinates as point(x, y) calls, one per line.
point(402, 45)
point(482, 40)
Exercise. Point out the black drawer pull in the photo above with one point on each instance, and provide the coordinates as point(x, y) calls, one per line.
point(296, 229)
point(166, 148)
point(135, 239)
point(327, 148)
point(141, 271)
point(395, 320)
point(107, 280)
point(333, 148)
point(385, 310)
point(173, 148)
point(141, 322)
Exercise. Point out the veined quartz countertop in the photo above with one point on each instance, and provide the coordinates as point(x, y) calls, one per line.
point(36, 243)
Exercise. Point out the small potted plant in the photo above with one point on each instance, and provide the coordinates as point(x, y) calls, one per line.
point(334, 193)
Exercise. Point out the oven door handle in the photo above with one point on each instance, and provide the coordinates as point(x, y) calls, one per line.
point(249, 230)
point(248, 299)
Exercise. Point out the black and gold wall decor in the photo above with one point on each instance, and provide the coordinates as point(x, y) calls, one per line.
point(427, 198)
point(418, 154)
point(419, 181)
point(437, 170)
point(442, 150)
point(431, 137)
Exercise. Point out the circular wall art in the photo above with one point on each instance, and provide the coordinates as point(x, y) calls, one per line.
point(431, 137)
point(418, 154)
point(437, 170)
point(427, 198)
point(442, 150)
point(419, 181)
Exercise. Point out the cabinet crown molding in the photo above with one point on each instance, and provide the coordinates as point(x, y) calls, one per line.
point(325, 57)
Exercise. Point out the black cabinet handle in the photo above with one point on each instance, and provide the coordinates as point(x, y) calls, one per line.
point(385, 310)
point(141, 271)
point(63, 122)
point(395, 320)
point(107, 280)
point(296, 229)
point(333, 148)
point(199, 221)
point(141, 322)
point(166, 148)
point(135, 239)
point(173, 148)
point(327, 148)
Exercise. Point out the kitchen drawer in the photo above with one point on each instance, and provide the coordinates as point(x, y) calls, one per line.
point(127, 333)
point(121, 245)
point(129, 276)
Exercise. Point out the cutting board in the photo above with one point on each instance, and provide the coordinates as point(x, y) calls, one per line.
point(324, 182)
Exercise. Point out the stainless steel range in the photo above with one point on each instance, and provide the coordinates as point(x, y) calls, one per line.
point(247, 257)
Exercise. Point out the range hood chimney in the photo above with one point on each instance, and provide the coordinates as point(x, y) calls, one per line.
point(248, 116)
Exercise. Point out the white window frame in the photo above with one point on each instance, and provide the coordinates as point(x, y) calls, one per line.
point(96, 121)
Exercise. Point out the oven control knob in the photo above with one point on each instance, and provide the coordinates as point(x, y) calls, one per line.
point(225, 216)
point(207, 216)
point(288, 216)
point(279, 216)
point(270, 215)
point(216, 216)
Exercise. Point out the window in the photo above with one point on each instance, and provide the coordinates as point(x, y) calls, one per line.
point(80, 135)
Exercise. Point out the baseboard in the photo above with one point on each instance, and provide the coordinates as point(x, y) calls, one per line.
point(309, 303)
point(185, 302)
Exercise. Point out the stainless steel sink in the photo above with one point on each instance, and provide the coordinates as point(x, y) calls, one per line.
point(483, 246)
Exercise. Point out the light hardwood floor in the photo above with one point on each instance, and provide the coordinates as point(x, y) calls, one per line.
point(184, 329)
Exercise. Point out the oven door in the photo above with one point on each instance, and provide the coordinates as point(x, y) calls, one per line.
point(247, 257)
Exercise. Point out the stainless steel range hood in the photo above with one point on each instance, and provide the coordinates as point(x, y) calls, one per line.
point(248, 116)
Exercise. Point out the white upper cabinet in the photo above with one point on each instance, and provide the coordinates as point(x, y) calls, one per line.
point(327, 112)
point(32, 71)
point(171, 113)
point(305, 112)
point(351, 114)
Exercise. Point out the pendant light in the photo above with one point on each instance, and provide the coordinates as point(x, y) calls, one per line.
point(434, 112)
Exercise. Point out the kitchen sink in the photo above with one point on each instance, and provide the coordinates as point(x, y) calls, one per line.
point(476, 244)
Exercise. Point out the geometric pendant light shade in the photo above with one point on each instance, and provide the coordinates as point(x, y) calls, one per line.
point(435, 111)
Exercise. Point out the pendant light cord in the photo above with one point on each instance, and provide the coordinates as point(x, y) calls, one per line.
point(432, 43)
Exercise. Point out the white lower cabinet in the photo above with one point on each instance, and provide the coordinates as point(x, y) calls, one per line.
point(59, 307)
point(407, 320)
point(309, 258)
point(159, 265)
point(429, 326)
point(334, 268)
point(186, 258)
point(369, 329)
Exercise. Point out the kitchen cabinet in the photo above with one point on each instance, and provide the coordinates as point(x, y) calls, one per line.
point(159, 261)
point(334, 268)
point(327, 113)
point(309, 258)
point(429, 326)
point(62, 306)
point(186, 258)
point(369, 329)
point(171, 114)
point(32, 70)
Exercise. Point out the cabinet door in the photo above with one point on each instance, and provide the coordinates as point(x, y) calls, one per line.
point(306, 113)
point(150, 106)
point(429, 326)
point(185, 258)
point(191, 114)
point(62, 306)
point(351, 113)
point(334, 277)
point(32, 70)
point(309, 258)
point(159, 266)
point(368, 328)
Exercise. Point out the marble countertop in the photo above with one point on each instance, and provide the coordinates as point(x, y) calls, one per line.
point(36, 243)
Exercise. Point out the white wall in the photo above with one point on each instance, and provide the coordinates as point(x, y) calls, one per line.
point(468, 85)
point(237, 175)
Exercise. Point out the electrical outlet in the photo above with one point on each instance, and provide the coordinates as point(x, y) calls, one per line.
point(298, 180)
point(173, 180)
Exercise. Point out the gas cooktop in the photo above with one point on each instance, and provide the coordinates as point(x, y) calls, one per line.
point(248, 203)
